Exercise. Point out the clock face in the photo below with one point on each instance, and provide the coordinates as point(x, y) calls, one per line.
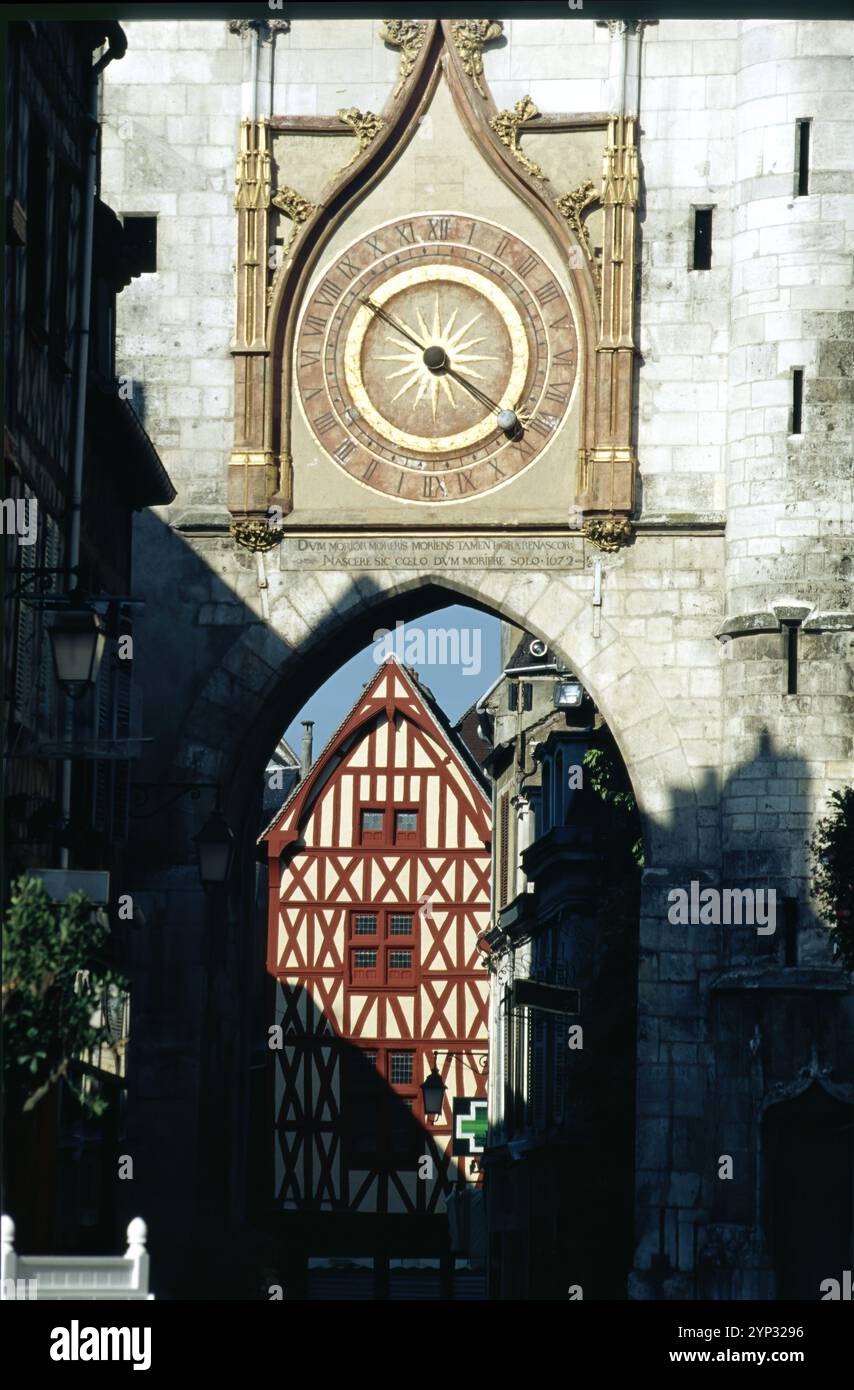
point(436, 358)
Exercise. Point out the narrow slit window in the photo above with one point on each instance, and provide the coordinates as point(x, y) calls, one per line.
point(141, 240)
point(791, 641)
point(797, 400)
point(802, 158)
point(702, 238)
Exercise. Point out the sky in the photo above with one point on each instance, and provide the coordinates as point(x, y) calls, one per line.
point(455, 650)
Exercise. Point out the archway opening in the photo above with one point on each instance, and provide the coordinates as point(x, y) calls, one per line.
point(808, 1148)
point(586, 1108)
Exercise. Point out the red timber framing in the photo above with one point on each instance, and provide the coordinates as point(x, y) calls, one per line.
point(374, 921)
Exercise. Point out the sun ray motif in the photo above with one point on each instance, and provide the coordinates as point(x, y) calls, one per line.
point(428, 387)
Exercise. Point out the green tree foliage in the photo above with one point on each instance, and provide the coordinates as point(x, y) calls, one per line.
point(52, 988)
point(607, 778)
point(832, 850)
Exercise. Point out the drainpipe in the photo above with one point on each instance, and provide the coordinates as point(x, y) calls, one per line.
point(116, 48)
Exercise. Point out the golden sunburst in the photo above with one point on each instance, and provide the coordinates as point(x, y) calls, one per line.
point(417, 377)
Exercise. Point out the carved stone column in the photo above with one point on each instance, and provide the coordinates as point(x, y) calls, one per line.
point(609, 483)
point(252, 475)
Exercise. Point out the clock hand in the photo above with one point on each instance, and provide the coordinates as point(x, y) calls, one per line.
point(381, 313)
point(507, 419)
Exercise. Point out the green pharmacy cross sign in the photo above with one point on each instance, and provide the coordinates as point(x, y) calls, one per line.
point(469, 1133)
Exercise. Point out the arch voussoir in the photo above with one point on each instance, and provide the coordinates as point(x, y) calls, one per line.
point(265, 670)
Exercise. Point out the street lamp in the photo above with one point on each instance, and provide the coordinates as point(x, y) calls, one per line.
point(216, 847)
point(77, 642)
point(433, 1091)
point(568, 694)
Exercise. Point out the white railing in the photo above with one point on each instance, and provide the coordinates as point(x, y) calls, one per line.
point(76, 1276)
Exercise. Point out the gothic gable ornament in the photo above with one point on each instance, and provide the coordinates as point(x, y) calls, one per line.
point(444, 355)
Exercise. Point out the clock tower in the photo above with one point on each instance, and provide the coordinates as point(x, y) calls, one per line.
point(435, 309)
point(428, 348)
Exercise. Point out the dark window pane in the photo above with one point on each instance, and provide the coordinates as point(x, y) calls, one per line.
point(797, 399)
point(802, 157)
point(401, 1069)
point(702, 238)
point(141, 241)
point(401, 924)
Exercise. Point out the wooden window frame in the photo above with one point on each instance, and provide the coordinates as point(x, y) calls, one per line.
point(417, 840)
point(387, 838)
point(382, 841)
point(381, 940)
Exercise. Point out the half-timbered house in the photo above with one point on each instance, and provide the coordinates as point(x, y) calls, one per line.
point(379, 867)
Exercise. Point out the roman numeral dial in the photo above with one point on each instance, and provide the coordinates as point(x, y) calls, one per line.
point(436, 358)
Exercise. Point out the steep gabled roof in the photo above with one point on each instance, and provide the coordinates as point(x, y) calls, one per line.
point(394, 687)
point(522, 658)
point(284, 754)
point(467, 728)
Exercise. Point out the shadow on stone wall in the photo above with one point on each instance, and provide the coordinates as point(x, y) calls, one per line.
point(724, 1015)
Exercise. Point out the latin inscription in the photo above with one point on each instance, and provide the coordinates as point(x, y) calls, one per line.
point(411, 552)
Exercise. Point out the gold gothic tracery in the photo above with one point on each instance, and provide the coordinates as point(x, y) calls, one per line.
point(408, 35)
point(470, 37)
point(364, 125)
point(506, 126)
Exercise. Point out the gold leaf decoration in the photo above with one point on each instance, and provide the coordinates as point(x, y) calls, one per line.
point(298, 209)
point(407, 35)
point(294, 206)
point(252, 176)
point(256, 535)
point(608, 532)
point(572, 206)
point(470, 36)
point(506, 126)
point(364, 125)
